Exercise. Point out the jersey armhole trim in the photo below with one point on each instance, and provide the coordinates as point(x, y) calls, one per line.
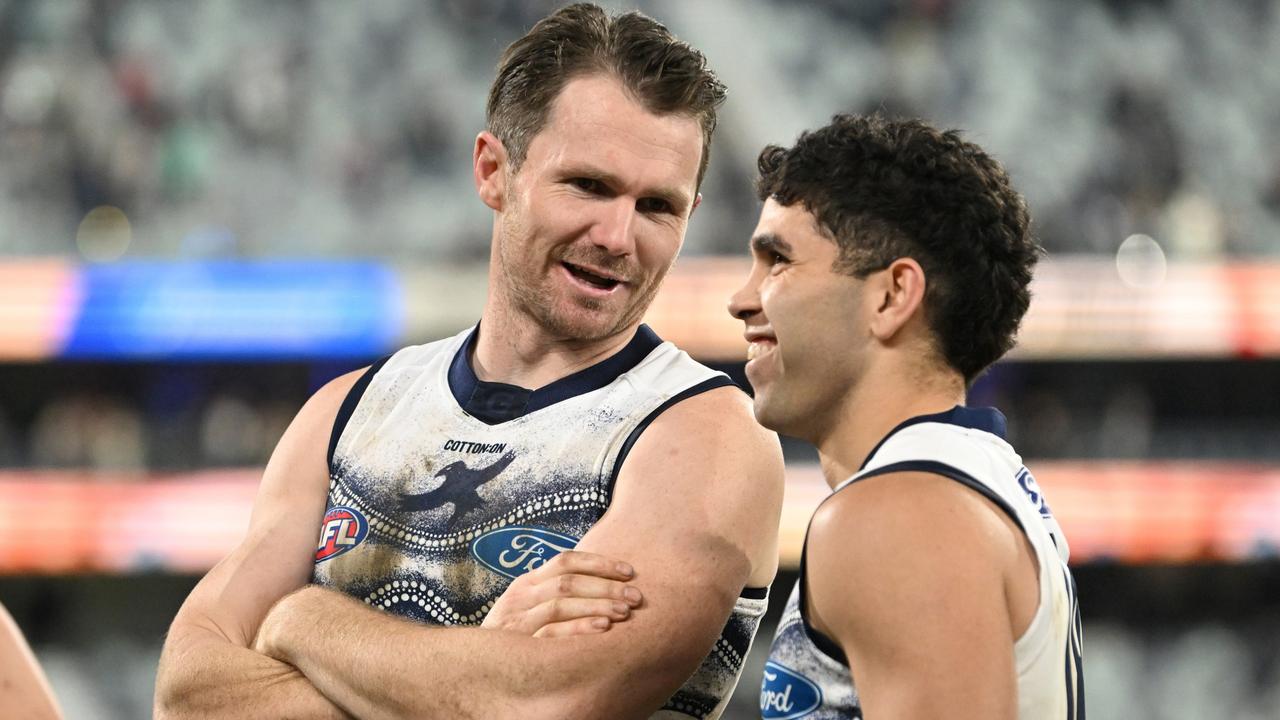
point(719, 381)
point(826, 645)
point(348, 407)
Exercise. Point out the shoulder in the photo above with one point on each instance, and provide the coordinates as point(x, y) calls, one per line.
point(908, 573)
point(712, 428)
point(909, 510)
point(322, 407)
point(903, 534)
point(709, 462)
point(302, 452)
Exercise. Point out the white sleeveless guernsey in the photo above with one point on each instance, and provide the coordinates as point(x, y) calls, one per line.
point(444, 488)
point(807, 675)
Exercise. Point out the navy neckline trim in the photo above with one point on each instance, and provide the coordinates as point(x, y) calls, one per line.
point(986, 419)
point(494, 402)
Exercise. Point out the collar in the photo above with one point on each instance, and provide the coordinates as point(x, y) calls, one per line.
point(495, 402)
point(986, 419)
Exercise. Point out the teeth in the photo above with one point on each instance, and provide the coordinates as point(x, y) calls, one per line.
point(756, 349)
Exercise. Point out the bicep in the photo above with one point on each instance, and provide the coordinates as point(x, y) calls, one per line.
point(912, 590)
point(695, 511)
point(278, 551)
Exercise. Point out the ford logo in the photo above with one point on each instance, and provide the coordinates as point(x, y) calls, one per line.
point(514, 551)
point(786, 694)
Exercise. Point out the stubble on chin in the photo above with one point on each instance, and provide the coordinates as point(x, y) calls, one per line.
point(536, 294)
point(567, 318)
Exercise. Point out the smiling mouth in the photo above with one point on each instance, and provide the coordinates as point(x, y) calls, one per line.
point(591, 278)
point(760, 347)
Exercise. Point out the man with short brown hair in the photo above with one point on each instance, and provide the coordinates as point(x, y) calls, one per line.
point(486, 477)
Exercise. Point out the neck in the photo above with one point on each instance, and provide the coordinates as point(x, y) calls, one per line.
point(512, 348)
point(874, 408)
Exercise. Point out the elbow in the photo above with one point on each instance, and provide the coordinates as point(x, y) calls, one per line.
point(167, 706)
point(168, 698)
point(176, 680)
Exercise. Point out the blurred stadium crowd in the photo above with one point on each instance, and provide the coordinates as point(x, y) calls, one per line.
point(241, 128)
point(149, 129)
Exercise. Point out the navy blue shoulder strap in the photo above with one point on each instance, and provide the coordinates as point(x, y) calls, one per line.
point(348, 406)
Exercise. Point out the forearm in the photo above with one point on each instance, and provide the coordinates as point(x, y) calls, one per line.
point(202, 675)
point(378, 666)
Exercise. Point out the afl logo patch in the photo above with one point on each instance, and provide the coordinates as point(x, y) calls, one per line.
point(786, 694)
point(343, 528)
point(514, 551)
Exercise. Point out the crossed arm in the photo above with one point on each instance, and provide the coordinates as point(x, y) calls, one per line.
point(207, 668)
point(695, 512)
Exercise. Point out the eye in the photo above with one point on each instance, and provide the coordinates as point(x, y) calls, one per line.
point(588, 185)
point(653, 206)
point(776, 258)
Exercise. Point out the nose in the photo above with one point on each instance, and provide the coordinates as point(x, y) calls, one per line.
point(614, 230)
point(746, 301)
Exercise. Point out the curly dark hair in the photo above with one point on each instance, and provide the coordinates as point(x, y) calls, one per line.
point(885, 189)
point(664, 74)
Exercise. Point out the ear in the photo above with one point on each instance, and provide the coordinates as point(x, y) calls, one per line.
point(489, 167)
point(898, 295)
point(697, 200)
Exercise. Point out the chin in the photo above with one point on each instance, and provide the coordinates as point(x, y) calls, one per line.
point(766, 412)
point(582, 323)
point(781, 417)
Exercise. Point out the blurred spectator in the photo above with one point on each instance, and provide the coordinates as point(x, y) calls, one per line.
point(313, 128)
point(85, 431)
point(236, 432)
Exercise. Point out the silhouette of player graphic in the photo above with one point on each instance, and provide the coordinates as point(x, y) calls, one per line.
point(459, 487)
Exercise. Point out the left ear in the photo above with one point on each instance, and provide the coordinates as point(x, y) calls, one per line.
point(898, 292)
point(697, 200)
point(489, 168)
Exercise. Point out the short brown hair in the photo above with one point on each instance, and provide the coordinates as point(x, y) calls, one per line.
point(664, 74)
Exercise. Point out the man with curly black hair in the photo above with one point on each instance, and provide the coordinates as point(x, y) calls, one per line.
point(891, 266)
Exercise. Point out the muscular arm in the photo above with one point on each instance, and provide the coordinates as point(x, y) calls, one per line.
point(695, 512)
point(924, 584)
point(207, 669)
point(24, 690)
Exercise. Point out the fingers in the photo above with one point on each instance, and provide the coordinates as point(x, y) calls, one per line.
point(587, 586)
point(573, 593)
point(580, 626)
point(580, 562)
point(560, 610)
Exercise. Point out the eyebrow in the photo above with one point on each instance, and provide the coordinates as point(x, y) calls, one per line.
point(678, 201)
point(770, 242)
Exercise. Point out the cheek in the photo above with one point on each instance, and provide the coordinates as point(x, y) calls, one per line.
point(808, 326)
point(657, 248)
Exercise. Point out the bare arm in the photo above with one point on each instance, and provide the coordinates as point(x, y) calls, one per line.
point(924, 584)
point(24, 690)
point(695, 512)
point(207, 669)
